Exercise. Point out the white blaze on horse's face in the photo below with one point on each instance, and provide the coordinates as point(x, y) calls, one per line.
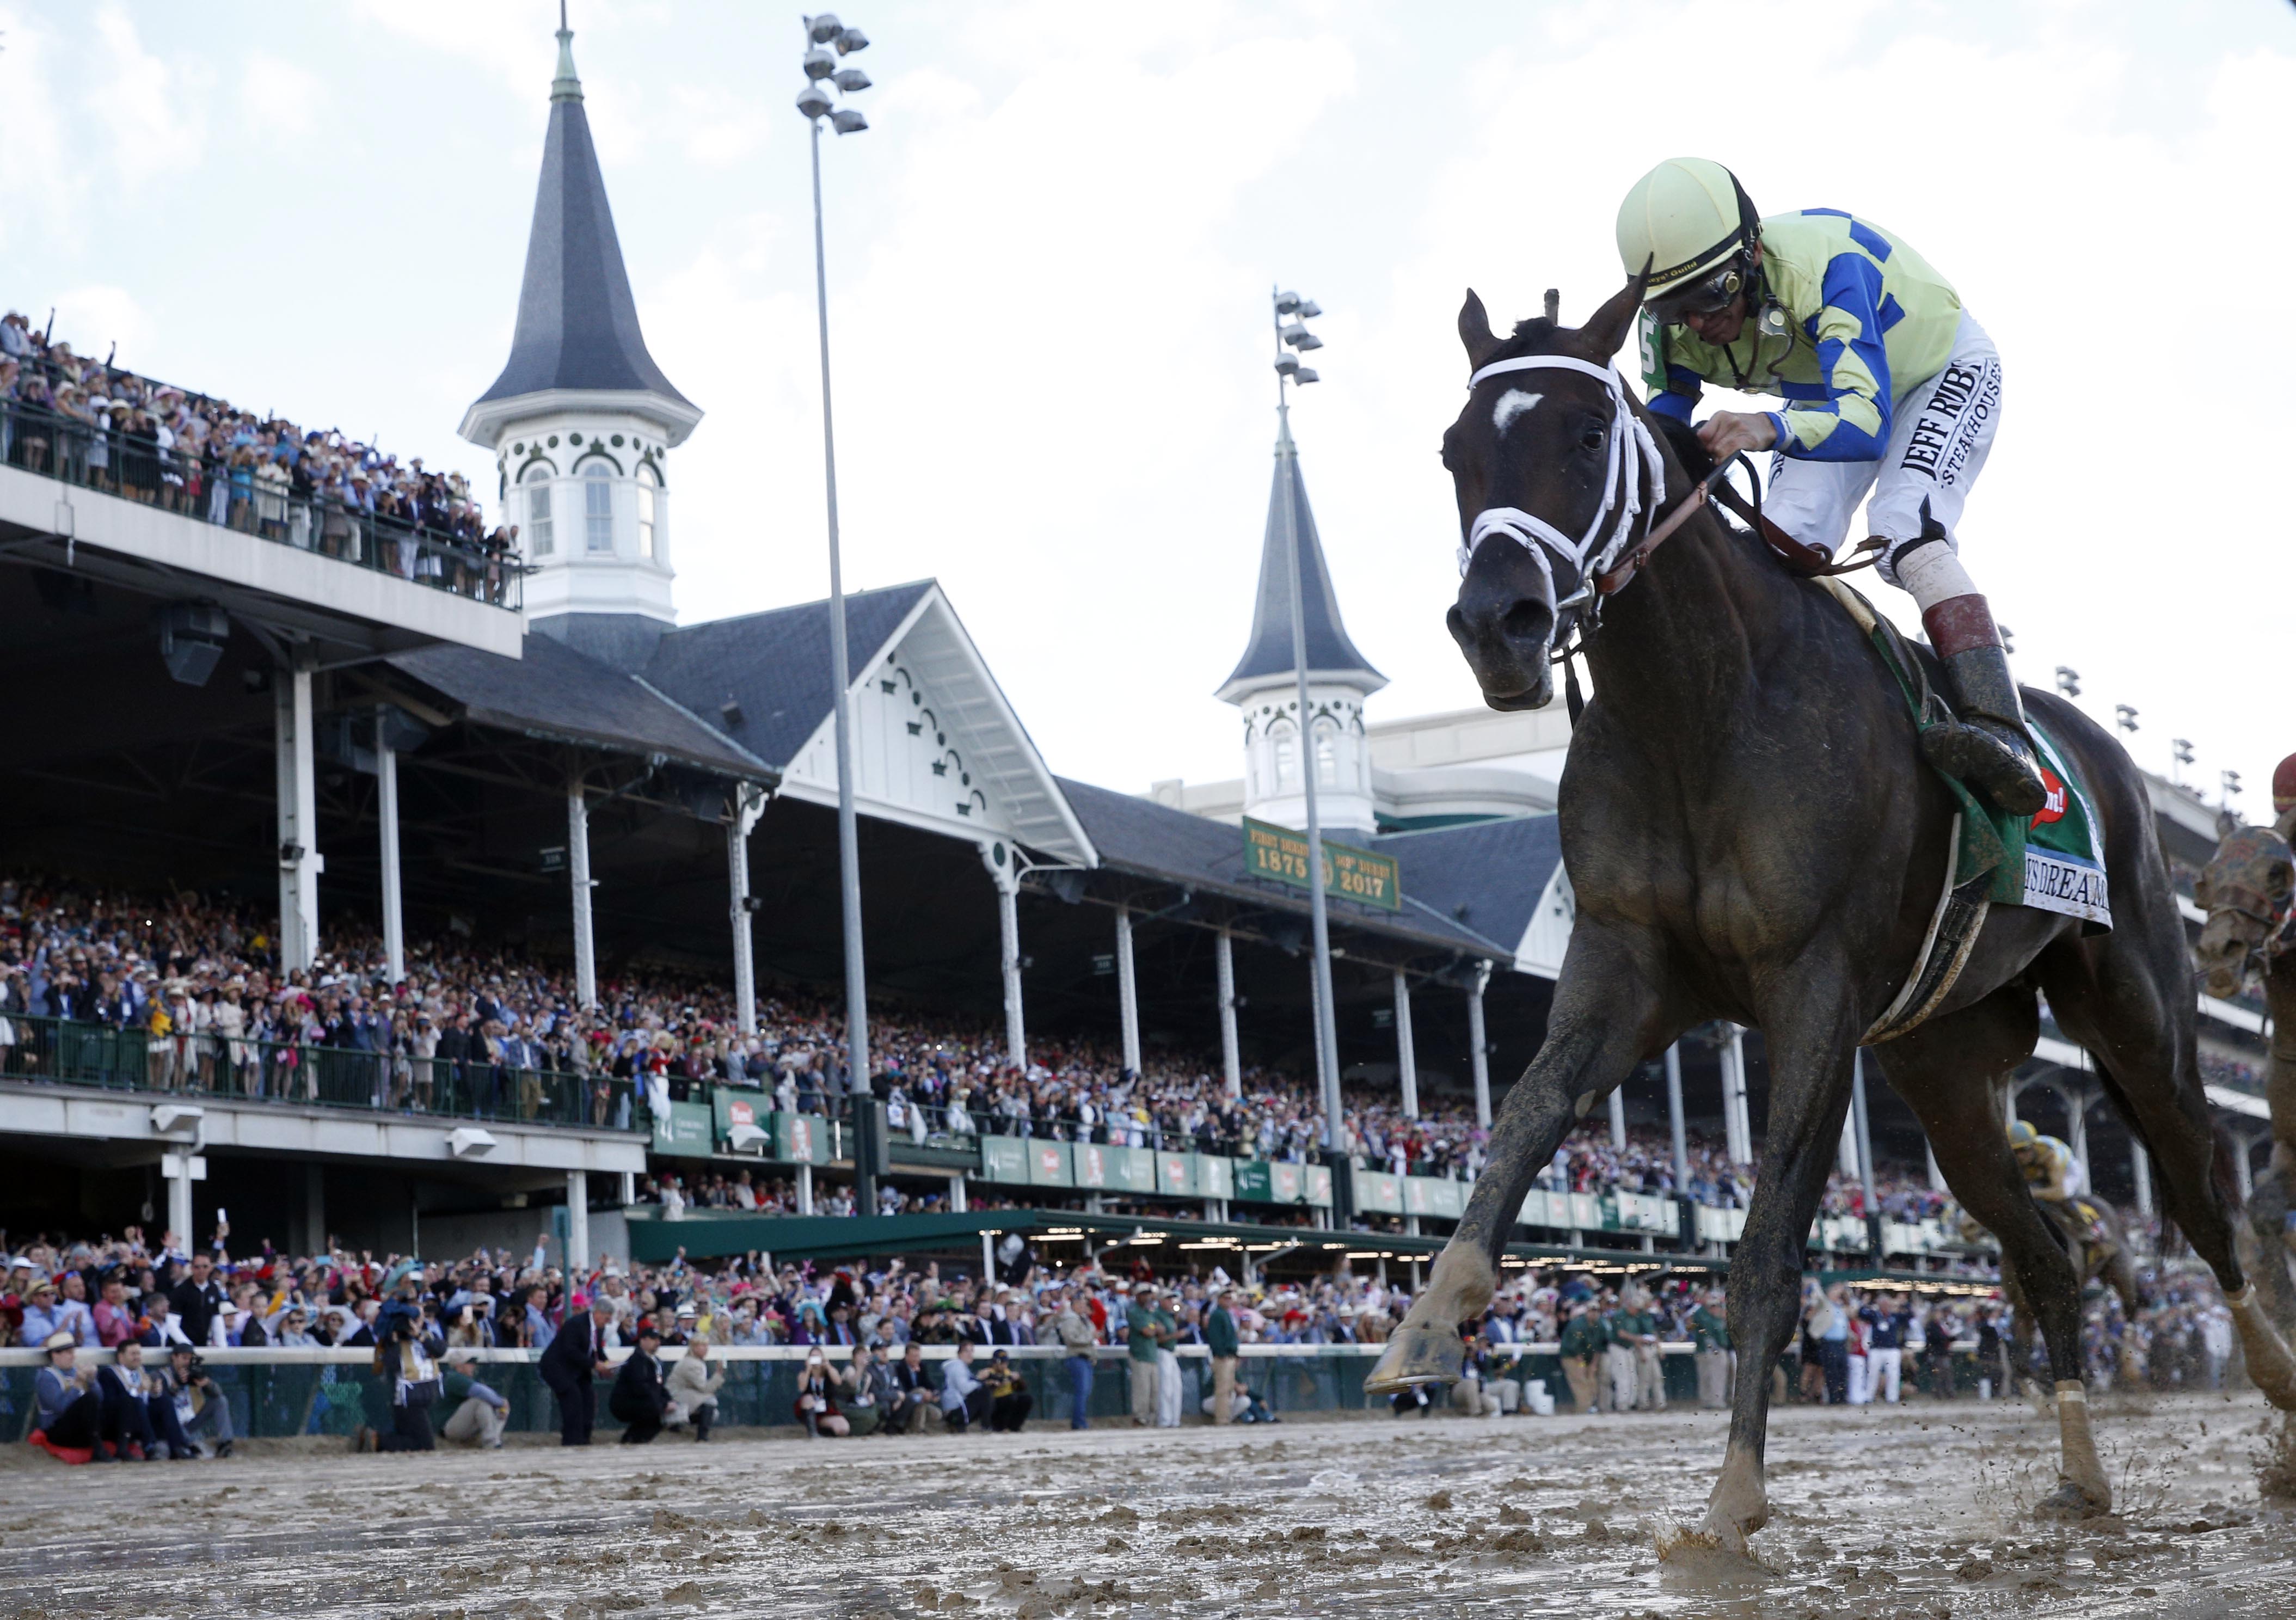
point(1511, 404)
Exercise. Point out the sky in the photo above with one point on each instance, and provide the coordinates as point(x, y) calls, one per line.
point(1050, 258)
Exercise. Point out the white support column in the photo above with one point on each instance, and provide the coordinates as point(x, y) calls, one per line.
point(2244, 1172)
point(956, 1203)
point(2140, 1165)
point(628, 1193)
point(1407, 1054)
point(577, 867)
point(1619, 1117)
point(1128, 993)
point(987, 1258)
point(1676, 1126)
point(1479, 1045)
point(1937, 1176)
point(2077, 1130)
point(1862, 1116)
point(299, 862)
point(749, 804)
point(578, 1220)
point(1316, 1014)
point(805, 1189)
point(179, 1198)
point(1230, 1050)
point(1004, 872)
point(1739, 1117)
point(394, 915)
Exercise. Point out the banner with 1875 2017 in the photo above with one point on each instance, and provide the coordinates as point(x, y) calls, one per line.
point(1281, 854)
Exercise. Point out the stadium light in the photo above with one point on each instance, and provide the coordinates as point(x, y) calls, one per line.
point(2067, 681)
point(2180, 754)
point(2229, 782)
point(1289, 341)
point(2124, 717)
point(822, 33)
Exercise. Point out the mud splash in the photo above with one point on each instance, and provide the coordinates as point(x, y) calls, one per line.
point(1924, 1510)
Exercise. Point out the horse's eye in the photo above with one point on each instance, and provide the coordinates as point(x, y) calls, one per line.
point(1593, 439)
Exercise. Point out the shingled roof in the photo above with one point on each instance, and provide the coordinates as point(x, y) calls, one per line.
point(1268, 654)
point(578, 324)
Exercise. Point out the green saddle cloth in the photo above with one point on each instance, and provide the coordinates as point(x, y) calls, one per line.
point(2053, 861)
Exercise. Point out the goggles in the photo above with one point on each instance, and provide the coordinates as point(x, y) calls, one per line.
point(1703, 296)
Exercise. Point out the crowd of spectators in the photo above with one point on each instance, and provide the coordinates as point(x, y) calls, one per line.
point(92, 423)
point(158, 1308)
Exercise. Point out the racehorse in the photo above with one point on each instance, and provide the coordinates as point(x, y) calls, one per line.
point(1752, 834)
point(2098, 1246)
point(2250, 934)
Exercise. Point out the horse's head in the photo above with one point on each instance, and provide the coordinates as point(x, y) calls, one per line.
point(2245, 891)
point(1539, 441)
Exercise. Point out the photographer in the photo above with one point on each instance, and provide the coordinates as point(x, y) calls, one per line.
point(694, 1383)
point(189, 1402)
point(67, 1418)
point(408, 1359)
point(817, 1399)
point(638, 1397)
point(480, 1410)
point(867, 1391)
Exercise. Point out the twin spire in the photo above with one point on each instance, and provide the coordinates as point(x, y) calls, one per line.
point(578, 324)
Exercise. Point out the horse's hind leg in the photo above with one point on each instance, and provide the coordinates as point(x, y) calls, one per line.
point(1948, 1071)
point(2268, 1222)
point(2128, 997)
point(1603, 1022)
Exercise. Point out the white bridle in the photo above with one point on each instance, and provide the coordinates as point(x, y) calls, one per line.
point(1621, 488)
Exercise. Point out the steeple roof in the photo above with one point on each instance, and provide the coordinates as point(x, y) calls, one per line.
point(578, 324)
point(1267, 655)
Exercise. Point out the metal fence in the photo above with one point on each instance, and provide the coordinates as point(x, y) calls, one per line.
point(254, 497)
point(73, 1052)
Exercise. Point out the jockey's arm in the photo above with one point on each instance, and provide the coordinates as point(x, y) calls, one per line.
point(1852, 421)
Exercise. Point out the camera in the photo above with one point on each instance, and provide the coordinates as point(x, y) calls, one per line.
point(197, 1370)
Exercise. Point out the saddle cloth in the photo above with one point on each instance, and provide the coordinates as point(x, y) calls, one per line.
point(2054, 861)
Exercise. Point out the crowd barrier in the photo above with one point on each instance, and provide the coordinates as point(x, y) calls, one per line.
point(276, 1393)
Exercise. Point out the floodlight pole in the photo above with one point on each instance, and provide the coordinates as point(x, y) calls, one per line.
point(848, 832)
point(1327, 1037)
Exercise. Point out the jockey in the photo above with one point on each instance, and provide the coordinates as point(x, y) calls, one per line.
point(1888, 386)
point(2049, 1166)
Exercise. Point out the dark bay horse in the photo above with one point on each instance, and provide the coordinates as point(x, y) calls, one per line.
point(1752, 835)
point(2248, 890)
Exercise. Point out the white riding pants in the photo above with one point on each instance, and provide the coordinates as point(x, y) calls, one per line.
point(1884, 1372)
point(1940, 433)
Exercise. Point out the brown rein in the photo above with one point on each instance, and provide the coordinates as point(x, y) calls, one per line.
point(1805, 560)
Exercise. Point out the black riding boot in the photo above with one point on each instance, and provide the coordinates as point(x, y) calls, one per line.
point(1987, 745)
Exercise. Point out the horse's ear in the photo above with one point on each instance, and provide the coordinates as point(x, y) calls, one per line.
point(1607, 328)
point(1475, 332)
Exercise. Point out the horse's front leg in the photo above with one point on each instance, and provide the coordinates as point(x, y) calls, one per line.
point(1605, 1017)
point(1811, 1033)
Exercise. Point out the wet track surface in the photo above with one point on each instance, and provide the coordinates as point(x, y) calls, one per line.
point(1921, 1511)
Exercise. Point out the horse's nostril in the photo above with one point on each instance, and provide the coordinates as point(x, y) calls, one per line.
point(1528, 621)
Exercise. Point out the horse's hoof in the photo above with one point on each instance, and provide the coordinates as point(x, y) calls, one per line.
point(2070, 1502)
point(1416, 1355)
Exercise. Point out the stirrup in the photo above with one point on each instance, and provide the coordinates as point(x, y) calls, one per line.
point(1991, 757)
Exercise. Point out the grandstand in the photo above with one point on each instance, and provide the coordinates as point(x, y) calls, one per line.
point(384, 757)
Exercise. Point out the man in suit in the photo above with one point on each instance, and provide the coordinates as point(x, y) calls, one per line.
point(573, 1363)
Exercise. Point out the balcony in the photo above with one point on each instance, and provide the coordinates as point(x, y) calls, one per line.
point(111, 507)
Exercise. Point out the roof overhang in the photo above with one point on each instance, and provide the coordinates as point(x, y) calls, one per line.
point(487, 420)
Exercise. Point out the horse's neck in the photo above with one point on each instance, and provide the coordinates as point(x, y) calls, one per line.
point(1680, 645)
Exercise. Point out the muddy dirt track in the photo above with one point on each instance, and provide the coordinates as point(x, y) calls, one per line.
point(1918, 1511)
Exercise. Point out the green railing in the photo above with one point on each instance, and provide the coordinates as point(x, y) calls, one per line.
point(68, 1051)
